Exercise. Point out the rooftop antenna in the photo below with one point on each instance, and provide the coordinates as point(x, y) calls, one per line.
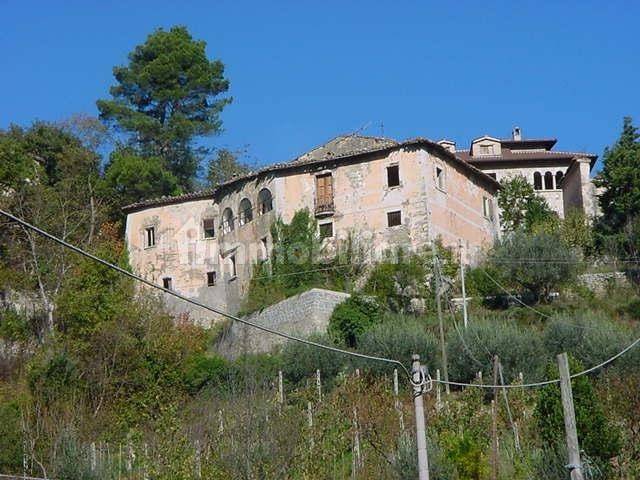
point(361, 129)
point(381, 128)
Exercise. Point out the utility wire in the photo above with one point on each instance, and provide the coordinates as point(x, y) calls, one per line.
point(195, 302)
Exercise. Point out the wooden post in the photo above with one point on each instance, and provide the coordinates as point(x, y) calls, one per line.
point(464, 291)
point(438, 392)
point(310, 422)
point(93, 456)
point(421, 431)
point(220, 423)
point(397, 401)
point(575, 465)
point(357, 457)
point(494, 422)
point(280, 388)
point(198, 460)
point(443, 346)
point(319, 385)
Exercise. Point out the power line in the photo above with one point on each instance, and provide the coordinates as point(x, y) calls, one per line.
point(195, 302)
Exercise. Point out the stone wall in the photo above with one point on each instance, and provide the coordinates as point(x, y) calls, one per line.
point(599, 282)
point(302, 315)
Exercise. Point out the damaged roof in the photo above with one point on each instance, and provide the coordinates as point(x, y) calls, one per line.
point(342, 147)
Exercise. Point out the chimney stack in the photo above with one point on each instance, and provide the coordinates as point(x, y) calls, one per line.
point(448, 145)
point(517, 134)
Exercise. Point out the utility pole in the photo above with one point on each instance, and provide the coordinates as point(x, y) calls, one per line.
point(464, 292)
point(443, 346)
point(575, 465)
point(417, 380)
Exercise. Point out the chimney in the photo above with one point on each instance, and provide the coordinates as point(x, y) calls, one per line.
point(517, 134)
point(448, 145)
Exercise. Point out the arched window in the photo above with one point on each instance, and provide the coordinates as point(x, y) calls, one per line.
point(265, 201)
point(245, 215)
point(227, 220)
point(537, 181)
point(559, 177)
point(548, 181)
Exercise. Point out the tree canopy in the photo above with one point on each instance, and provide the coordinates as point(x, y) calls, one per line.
point(521, 207)
point(166, 97)
point(620, 178)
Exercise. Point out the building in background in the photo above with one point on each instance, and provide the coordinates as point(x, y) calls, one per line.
point(562, 178)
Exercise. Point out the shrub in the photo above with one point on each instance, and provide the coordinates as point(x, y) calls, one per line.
point(13, 326)
point(398, 338)
point(598, 437)
point(353, 317)
point(11, 441)
point(538, 263)
point(201, 370)
point(300, 361)
point(478, 284)
point(472, 349)
point(589, 337)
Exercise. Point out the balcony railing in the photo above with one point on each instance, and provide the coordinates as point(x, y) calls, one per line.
point(324, 206)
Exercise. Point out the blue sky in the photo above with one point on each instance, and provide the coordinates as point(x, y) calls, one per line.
point(302, 72)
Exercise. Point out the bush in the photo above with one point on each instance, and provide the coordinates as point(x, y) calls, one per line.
point(11, 440)
point(300, 361)
point(598, 437)
point(589, 337)
point(353, 317)
point(472, 349)
point(398, 338)
point(201, 370)
point(13, 326)
point(538, 263)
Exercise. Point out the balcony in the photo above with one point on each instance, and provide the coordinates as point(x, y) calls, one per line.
point(324, 207)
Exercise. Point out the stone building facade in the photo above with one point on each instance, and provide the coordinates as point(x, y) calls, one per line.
point(386, 193)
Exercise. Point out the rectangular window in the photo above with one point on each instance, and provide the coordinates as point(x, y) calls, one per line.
point(209, 227)
point(492, 175)
point(487, 207)
point(394, 218)
point(232, 262)
point(440, 178)
point(326, 230)
point(393, 176)
point(150, 237)
point(211, 279)
point(167, 283)
point(486, 149)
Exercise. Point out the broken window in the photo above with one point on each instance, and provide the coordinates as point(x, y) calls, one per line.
point(326, 230)
point(265, 201)
point(393, 176)
point(150, 236)
point(232, 264)
point(209, 227)
point(394, 218)
point(211, 279)
point(246, 212)
point(440, 178)
point(167, 283)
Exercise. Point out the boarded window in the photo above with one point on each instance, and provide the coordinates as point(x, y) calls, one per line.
point(209, 227)
point(326, 230)
point(167, 283)
point(211, 279)
point(324, 190)
point(150, 236)
point(393, 176)
point(394, 218)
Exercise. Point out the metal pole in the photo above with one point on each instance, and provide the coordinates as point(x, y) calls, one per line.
point(575, 465)
point(464, 291)
point(421, 433)
point(443, 346)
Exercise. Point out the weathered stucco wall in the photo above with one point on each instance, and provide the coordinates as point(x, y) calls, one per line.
point(302, 315)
